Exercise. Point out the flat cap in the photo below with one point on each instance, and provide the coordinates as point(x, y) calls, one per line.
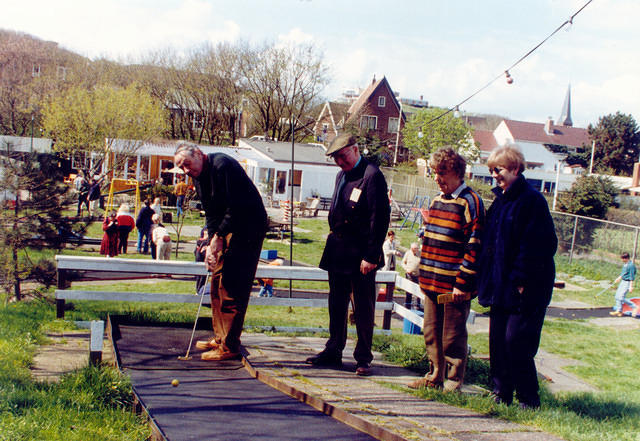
point(341, 141)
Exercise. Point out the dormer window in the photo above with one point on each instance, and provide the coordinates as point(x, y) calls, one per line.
point(381, 101)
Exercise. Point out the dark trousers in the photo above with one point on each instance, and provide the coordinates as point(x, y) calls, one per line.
point(231, 284)
point(82, 200)
point(123, 239)
point(513, 344)
point(445, 337)
point(364, 303)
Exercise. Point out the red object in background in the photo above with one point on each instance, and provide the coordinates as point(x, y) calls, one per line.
point(628, 310)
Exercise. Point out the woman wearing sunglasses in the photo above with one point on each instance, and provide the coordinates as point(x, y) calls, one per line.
point(516, 277)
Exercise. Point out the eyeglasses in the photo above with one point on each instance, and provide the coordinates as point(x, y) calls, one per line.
point(496, 170)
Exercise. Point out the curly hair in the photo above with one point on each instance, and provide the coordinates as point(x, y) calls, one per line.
point(446, 160)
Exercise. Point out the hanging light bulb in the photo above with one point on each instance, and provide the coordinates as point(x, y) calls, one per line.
point(569, 25)
point(509, 78)
point(456, 113)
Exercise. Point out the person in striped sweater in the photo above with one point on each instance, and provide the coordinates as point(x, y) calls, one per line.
point(448, 267)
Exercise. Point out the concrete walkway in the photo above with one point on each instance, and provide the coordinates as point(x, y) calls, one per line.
point(373, 398)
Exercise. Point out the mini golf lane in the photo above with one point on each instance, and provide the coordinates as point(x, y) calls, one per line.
point(214, 400)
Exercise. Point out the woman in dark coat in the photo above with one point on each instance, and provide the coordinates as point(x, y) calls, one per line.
point(109, 244)
point(516, 277)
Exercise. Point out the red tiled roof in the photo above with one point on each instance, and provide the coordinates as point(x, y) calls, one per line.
point(561, 135)
point(364, 96)
point(484, 140)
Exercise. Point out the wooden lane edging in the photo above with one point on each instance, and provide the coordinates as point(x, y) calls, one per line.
point(358, 423)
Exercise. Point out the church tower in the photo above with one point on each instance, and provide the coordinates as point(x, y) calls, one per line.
point(565, 116)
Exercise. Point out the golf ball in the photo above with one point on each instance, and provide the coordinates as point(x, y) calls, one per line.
point(175, 382)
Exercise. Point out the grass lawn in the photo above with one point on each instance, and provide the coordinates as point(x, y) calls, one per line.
point(95, 401)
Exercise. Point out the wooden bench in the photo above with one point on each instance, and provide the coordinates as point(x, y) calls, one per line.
point(78, 268)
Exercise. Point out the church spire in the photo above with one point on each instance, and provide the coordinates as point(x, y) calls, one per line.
point(565, 116)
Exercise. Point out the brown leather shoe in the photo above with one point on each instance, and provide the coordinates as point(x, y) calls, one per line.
point(364, 370)
point(207, 344)
point(219, 355)
point(422, 383)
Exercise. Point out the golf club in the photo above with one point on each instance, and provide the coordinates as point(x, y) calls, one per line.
point(605, 288)
point(193, 331)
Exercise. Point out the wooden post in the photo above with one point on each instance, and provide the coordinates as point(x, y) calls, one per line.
point(95, 345)
point(62, 284)
point(386, 318)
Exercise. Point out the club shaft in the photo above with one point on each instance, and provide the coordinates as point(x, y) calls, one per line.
point(195, 322)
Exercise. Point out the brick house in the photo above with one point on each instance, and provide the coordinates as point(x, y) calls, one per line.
point(375, 114)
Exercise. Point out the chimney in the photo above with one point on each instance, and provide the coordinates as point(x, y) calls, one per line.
point(548, 126)
point(420, 97)
point(374, 79)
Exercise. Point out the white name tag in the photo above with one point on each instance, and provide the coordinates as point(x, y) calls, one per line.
point(355, 195)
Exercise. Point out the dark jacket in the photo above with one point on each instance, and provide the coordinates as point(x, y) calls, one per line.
point(232, 204)
point(518, 246)
point(358, 219)
point(143, 221)
point(94, 191)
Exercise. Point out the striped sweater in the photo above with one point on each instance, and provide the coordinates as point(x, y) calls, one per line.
point(451, 243)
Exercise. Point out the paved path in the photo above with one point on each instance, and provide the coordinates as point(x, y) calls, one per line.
point(372, 398)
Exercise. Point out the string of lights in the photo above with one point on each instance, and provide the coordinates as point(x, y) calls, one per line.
point(506, 73)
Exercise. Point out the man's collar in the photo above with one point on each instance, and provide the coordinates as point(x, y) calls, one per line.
point(457, 191)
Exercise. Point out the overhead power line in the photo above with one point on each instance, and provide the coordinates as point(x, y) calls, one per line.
point(506, 73)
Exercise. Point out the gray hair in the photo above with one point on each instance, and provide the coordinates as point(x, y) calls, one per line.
point(190, 148)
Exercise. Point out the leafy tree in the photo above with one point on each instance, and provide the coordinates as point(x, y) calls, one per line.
point(617, 144)
point(93, 120)
point(589, 196)
point(428, 130)
point(31, 217)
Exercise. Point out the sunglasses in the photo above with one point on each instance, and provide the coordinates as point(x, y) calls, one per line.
point(496, 170)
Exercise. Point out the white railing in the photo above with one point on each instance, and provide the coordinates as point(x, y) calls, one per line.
point(77, 268)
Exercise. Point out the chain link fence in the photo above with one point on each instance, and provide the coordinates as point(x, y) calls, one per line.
point(585, 237)
point(579, 237)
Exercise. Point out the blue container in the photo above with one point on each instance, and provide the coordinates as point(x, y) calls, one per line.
point(268, 254)
point(410, 328)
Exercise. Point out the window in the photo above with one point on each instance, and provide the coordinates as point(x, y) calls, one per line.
point(369, 122)
point(392, 127)
point(297, 178)
point(196, 122)
point(381, 101)
point(62, 73)
point(281, 182)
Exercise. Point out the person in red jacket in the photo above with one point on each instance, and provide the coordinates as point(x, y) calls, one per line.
point(109, 244)
point(126, 222)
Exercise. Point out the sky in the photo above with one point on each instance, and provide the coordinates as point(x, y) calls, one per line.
point(444, 51)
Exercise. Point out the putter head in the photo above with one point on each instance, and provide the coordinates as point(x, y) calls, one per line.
point(184, 357)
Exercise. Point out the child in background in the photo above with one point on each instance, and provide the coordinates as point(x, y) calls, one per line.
point(162, 240)
point(267, 284)
point(626, 278)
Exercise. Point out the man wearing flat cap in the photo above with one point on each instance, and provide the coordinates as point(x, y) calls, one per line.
point(358, 219)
